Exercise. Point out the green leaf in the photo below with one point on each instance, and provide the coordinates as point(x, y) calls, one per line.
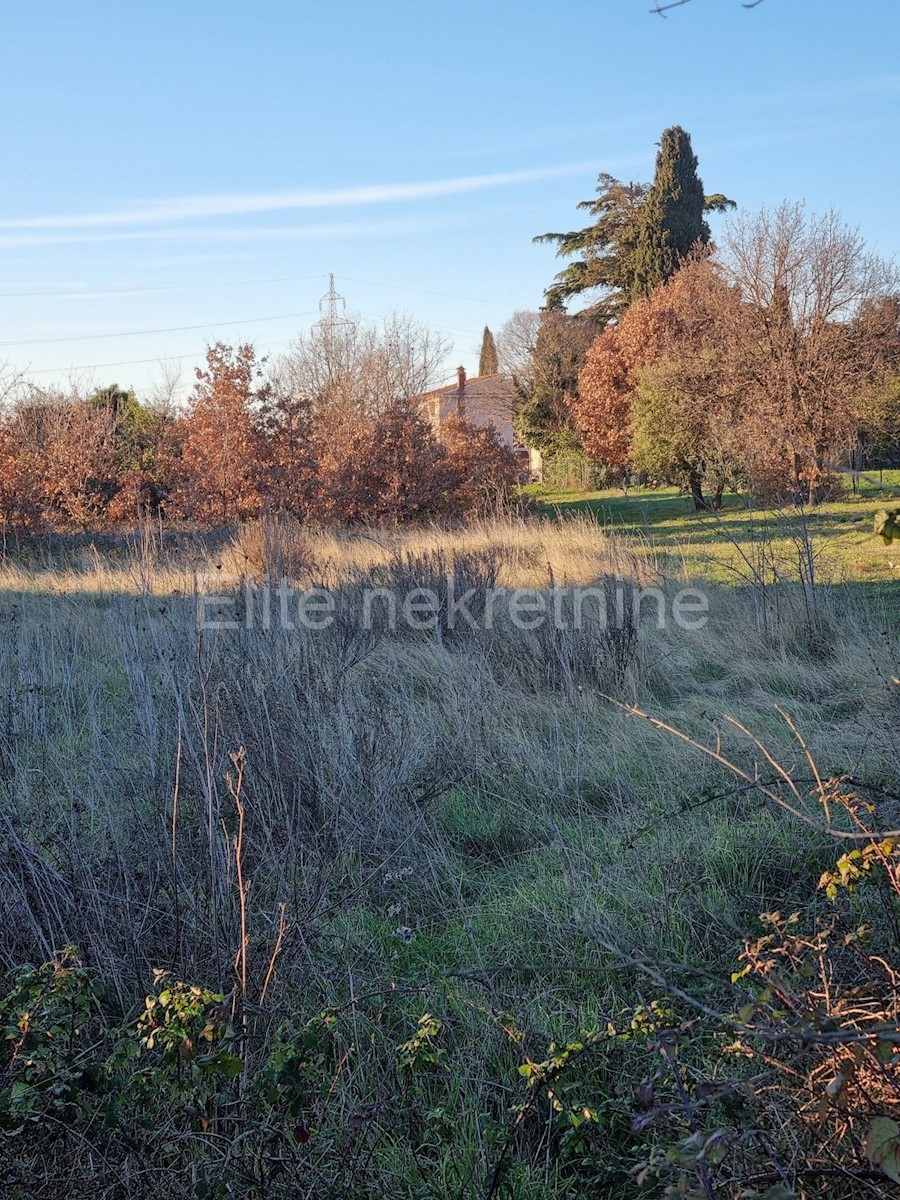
point(885, 525)
point(883, 1147)
point(229, 1065)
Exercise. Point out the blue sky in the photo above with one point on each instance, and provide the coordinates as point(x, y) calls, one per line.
point(184, 163)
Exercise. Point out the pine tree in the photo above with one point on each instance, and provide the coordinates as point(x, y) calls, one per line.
point(487, 363)
point(610, 253)
point(672, 221)
point(605, 248)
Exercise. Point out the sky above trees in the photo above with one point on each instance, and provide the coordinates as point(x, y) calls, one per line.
point(186, 169)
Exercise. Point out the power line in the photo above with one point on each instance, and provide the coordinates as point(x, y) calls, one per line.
point(82, 293)
point(425, 292)
point(331, 306)
point(91, 337)
point(362, 312)
point(135, 362)
point(140, 362)
point(64, 294)
point(328, 319)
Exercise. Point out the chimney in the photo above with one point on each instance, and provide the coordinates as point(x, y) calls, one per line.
point(461, 393)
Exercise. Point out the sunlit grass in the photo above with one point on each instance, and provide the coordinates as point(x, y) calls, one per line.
point(721, 545)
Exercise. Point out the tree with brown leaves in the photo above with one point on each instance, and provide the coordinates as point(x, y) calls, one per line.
point(390, 471)
point(68, 444)
point(800, 349)
point(684, 410)
point(486, 471)
point(620, 353)
point(21, 494)
point(286, 421)
point(224, 454)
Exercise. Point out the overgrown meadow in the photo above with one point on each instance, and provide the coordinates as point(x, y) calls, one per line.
point(366, 911)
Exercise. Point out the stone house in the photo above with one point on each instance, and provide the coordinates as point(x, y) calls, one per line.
point(483, 400)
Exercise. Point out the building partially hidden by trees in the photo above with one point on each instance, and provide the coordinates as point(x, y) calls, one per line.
point(766, 363)
point(486, 402)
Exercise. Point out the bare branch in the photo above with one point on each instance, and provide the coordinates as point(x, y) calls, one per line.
point(661, 9)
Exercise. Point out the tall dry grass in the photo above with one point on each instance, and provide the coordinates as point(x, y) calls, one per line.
point(120, 714)
point(416, 806)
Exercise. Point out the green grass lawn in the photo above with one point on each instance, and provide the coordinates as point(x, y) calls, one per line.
point(726, 545)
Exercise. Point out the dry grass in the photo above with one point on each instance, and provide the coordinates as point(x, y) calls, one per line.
point(426, 808)
point(529, 554)
point(356, 738)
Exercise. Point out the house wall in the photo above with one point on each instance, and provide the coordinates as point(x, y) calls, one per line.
point(487, 400)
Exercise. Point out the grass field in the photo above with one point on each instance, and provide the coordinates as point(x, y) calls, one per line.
point(723, 545)
point(442, 857)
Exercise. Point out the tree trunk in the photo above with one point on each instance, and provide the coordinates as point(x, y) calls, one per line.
point(802, 486)
point(696, 483)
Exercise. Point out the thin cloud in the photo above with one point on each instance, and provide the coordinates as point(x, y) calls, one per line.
point(337, 229)
point(188, 208)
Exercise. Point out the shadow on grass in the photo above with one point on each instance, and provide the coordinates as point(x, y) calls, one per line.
point(723, 528)
point(636, 510)
point(673, 517)
point(884, 592)
point(80, 552)
point(180, 608)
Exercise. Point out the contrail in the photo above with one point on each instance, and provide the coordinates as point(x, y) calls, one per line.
point(187, 208)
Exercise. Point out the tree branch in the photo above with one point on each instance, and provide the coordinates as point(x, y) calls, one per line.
point(661, 9)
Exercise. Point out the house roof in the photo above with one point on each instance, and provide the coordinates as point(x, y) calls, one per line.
point(488, 400)
point(471, 381)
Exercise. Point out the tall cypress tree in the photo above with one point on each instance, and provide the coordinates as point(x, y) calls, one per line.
point(487, 363)
point(672, 215)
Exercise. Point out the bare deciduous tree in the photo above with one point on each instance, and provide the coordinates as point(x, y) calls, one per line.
point(12, 383)
point(799, 354)
point(353, 371)
point(164, 393)
point(516, 343)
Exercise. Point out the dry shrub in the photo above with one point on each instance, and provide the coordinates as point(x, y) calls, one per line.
point(390, 470)
point(486, 470)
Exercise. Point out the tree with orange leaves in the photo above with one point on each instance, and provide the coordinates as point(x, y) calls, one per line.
point(223, 450)
point(487, 470)
point(676, 323)
point(610, 374)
